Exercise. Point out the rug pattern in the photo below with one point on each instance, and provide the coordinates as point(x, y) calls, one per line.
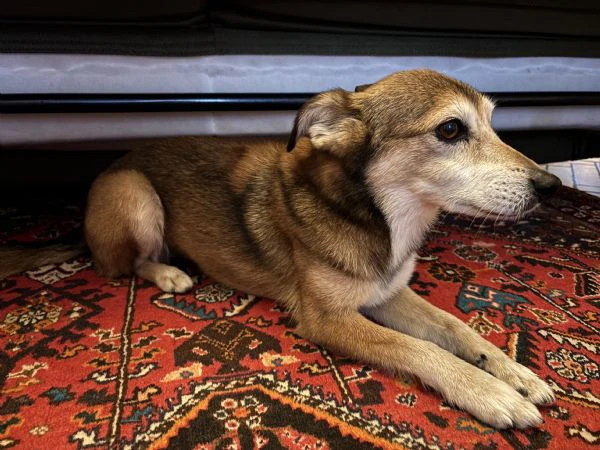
point(91, 363)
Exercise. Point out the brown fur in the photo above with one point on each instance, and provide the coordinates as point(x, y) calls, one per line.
point(330, 228)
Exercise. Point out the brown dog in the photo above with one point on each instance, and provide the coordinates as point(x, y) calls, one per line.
point(330, 228)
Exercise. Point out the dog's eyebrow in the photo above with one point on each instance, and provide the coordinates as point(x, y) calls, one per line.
point(482, 103)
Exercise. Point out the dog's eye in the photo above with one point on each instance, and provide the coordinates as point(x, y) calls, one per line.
point(450, 131)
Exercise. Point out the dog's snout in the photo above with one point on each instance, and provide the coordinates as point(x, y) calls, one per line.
point(544, 183)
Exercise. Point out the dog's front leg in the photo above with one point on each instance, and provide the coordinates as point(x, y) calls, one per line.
point(411, 314)
point(462, 384)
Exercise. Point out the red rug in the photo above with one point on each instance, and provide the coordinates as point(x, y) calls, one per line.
point(93, 363)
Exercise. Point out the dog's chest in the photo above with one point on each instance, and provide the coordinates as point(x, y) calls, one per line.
point(383, 290)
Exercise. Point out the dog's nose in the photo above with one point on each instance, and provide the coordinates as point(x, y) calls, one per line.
point(544, 183)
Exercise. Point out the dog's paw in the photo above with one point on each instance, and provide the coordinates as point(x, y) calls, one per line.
point(523, 380)
point(171, 279)
point(494, 402)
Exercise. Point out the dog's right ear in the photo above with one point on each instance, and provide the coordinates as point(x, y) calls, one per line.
point(330, 121)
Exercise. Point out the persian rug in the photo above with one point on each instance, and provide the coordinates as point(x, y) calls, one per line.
point(92, 363)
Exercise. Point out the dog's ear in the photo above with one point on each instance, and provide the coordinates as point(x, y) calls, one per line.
point(362, 87)
point(330, 121)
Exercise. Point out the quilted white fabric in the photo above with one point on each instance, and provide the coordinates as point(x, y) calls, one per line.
point(34, 73)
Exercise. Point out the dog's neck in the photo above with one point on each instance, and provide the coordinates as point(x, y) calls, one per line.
point(392, 222)
point(408, 218)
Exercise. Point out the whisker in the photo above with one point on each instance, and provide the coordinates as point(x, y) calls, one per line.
point(486, 217)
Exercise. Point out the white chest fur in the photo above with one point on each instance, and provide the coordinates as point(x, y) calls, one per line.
point(383, 291)
point(408, 219)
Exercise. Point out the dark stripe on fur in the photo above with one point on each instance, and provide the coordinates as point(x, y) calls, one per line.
point(240, 209)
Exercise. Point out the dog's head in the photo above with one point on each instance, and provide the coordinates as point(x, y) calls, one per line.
point(423, 134)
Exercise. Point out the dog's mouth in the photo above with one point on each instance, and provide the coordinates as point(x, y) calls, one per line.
point(477, 212)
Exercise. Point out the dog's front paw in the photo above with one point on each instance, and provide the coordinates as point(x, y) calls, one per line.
point(494, 402)
point(523, 380)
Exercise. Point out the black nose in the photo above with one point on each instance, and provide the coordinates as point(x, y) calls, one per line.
point(544, 183)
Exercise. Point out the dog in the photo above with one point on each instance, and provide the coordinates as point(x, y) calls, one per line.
point(330, 226)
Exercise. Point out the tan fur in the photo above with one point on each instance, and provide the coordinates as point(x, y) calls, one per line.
point(124, 222)
point(330, 229)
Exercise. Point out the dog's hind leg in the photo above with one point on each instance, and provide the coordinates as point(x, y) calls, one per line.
point(124, 228)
